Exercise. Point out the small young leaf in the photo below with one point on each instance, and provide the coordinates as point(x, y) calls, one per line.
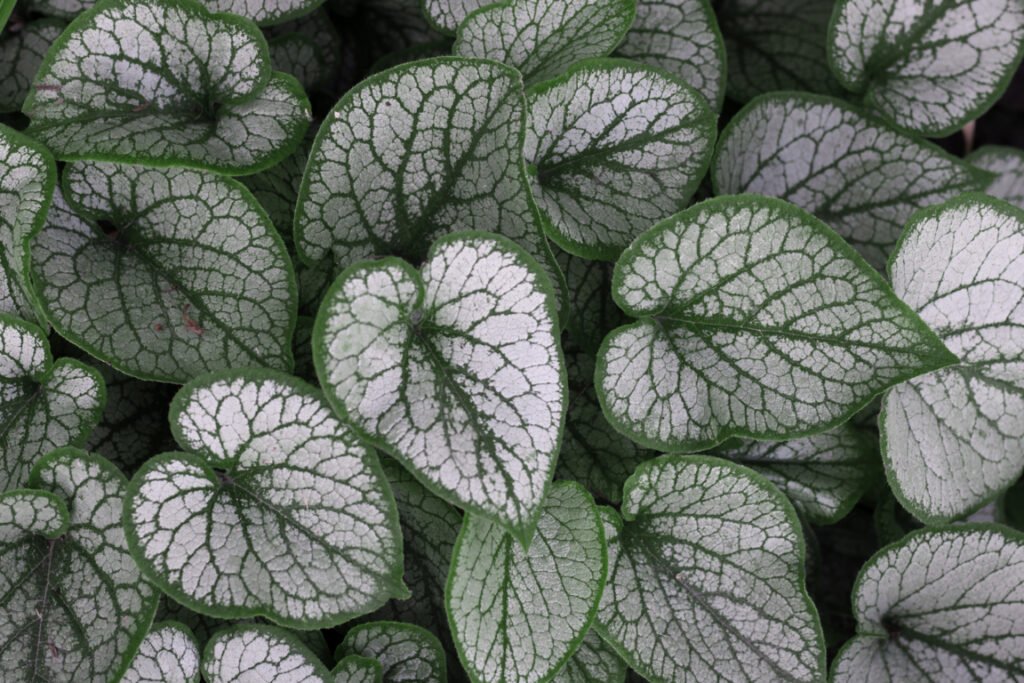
point(929, 66)
point(456, 371)
point(615, 146)
point(594, 662)
point(543, 38)
point(859, 176)
point(756, 320)
point(43, 405)
point(169, 654)
point(406, 653)
point(188, 89)
point(706, 577)
point(824, 474)
point(277, 512)
point(592, 310)
point(164, 273)
point(940, 605)
point(517, 615)
point(74, 606)
point(446, 15)
point(356, 669)
point(951, 439)
point(308, 48)
point(21, 53)
point(251, 653)
point(1008, 165)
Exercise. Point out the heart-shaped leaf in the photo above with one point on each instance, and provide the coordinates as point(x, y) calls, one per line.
point(614, 147)
point(278, 511)
point(73, 605)
point(21, 53)
point(308, 48)
point(169, 654)
point(1008, 165)
point(706, 577)
point(356, 669)
point(543, 38)
point(756, 320)
point(929, 66)
point(455, 370)
point(383, 180)
point(164, 273)
point(406, 653)
point(861, 177)
point(250, 653)
point(446, 15)
point(43, 404)
point(940, 605)
point(517, 615)
point(595, 661)
point(951, 439)
point(681, 37)
point(190, 89)
point(823, 474)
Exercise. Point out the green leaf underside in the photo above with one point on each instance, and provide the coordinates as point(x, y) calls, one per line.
point(777, 45)
point(516, 614)
point(74, 605)
point(681, 37)
point(446, 15)
point(756, 320)
point(406, 653)
point(44, 405)
point(169, 654)
point(824, 474)
point(250, 653)
point(27, 177)
point(456, 371)
point(308, 48)
point(6, 8)
point(594, 662)
point(164, 273)
point(951, 439)
point(128, 82)
point(706, 577)
point(616, 146)
point(1008, 165)
point(356, 669)
point(592, 311)
point(543, 38)
point(929, 66)
point(21, 53)
point(859, 176)
point(279, 511)
point(941, 605)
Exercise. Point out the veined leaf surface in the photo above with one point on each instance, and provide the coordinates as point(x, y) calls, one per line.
point(594, 662)
point(356, 669)
point(250, 653)
point(168, 654)
point(21, 54)
point(406, 653)
point(446, 15)
point(308, 48)
point(1008, 165)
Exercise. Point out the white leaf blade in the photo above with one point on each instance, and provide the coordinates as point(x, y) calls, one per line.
point(243, 654)
point(356, 669)
point(1008, 165)
point(406, 653)
point(168, 654)
point(594, 661)
point(21, 54)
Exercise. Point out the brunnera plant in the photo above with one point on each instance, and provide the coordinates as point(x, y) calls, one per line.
point(534, 341)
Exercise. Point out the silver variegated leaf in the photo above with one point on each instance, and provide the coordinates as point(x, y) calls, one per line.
point(406, 653)
point(1008, 165)
point(253, 653)
point(21, 53)
point(168, 654)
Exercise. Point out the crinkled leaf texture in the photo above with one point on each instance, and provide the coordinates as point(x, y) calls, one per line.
point(386, 178)
point(613, 147)
point(944, 605)
point(755, 320)
point(251, 653)
point(951, 439)
point(929, 66)
point(164, 82)
point(43, 404)
point(406, 653)
point(594, 662)
point(21, 53)
point(356, 669)
point(706, 577)
point(681, 37)
point(446, 15)
point(308, 48)
point(278, 511)
point(164, 273)
point(518, 614)
point(543, 38)
point(168, 654)
point(455, 370)
point(1008, 165)
point(73, 604)
point(861, 177)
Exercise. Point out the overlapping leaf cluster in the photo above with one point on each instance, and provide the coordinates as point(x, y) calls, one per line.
point(402, 340)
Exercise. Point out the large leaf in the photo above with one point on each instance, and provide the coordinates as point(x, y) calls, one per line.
point(940, 605)
point(951, 439)
point(190, 89)
point(251, 653)
point(260, 11)
point(384, 179)
point(73, 605)
point(21, 53)
point(517, 615)
point(406, 653)
point(164, 273)
point(278, 511)
point(356, 669)
point(706, 577)
point(613, 147)
point(455, 370)
point(43, 404)
point(594, 662)
point(446, 15)
point(168, 654)
point(681, 37)
point(861, 177)
point(1008, 165)
point(929, 66)
point(543, 38)
point(756, 320)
